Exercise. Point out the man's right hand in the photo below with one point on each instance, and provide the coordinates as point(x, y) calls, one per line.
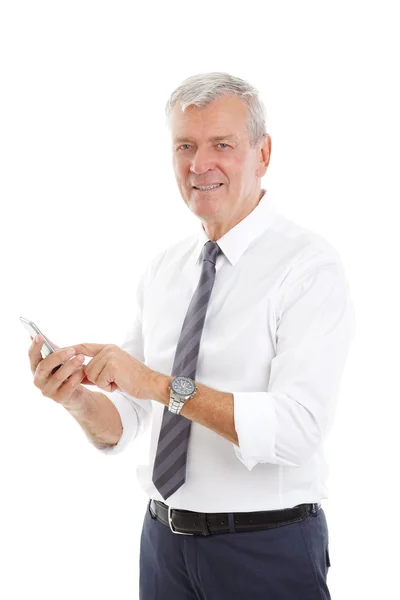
point(64, 385)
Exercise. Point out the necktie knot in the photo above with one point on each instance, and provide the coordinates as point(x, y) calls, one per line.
point(211, 251)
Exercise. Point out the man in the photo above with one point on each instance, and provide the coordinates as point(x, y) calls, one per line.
point(236, 472)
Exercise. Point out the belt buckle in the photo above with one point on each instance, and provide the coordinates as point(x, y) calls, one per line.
point(171, 526)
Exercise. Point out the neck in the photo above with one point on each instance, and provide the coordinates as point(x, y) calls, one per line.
point(215, 230)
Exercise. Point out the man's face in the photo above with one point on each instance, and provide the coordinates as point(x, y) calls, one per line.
point(211, 145)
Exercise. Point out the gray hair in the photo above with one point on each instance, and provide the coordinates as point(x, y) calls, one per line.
point(201, 90)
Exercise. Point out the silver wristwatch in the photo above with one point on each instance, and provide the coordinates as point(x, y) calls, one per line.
point(181, 390)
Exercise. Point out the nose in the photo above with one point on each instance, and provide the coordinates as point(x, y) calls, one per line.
point(201, 162)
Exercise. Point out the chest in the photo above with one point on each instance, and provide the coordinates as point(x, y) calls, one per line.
point(238, 337)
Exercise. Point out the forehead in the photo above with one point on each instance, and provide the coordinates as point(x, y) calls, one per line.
point(225, 115)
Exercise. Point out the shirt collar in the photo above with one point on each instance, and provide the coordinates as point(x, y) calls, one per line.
point(236, 241)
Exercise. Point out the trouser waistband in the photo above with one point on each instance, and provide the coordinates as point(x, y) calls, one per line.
point(188, 522)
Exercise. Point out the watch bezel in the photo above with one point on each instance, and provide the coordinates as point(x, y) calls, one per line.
point(176, 380)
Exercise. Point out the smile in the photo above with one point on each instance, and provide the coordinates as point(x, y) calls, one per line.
point(207, 188)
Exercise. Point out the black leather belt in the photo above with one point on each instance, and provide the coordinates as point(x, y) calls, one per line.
point(187, 522)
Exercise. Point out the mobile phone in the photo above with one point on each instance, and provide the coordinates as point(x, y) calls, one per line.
point(33, 329)
point(47, 347)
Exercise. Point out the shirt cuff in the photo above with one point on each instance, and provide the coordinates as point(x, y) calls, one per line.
point(255, 425)
point(129, 420)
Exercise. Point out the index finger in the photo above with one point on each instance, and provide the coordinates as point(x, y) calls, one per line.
point(89, 349)
point(52, 362)
point(34, 352)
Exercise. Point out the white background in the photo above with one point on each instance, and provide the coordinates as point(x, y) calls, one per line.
point(88, 196)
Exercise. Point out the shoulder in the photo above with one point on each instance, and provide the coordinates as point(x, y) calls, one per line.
point(169, 255)
point(307, 258)
point(302, 246)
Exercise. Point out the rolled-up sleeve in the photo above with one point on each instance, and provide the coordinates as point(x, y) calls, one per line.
point(314, 327)
point(135, 418)
point(135, 414)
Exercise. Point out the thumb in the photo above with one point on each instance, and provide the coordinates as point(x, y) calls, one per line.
point(86, 381)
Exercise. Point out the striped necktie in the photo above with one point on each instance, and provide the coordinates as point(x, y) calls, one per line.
point(169, 471)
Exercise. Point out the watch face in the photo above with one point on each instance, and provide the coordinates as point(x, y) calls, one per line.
point(183, 385)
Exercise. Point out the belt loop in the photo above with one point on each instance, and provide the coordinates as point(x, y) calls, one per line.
point(203, 524)
point(151, 509)
point(231, 519)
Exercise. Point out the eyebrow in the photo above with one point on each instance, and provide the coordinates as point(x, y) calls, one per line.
point(217, 138)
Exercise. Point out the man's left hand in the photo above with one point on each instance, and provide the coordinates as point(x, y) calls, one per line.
point(111, 368)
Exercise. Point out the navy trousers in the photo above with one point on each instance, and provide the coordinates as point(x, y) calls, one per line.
point(289, 562)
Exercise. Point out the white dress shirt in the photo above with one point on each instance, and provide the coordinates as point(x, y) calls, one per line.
point(277, 332)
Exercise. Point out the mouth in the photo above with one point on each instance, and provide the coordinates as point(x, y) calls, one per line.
point(208, 188)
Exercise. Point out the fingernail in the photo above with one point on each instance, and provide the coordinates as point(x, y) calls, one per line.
point(70, 351)
point(37, 338)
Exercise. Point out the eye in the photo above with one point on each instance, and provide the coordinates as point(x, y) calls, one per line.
point(183, 146)
point(223, 144)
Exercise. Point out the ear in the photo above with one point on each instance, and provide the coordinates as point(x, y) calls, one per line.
point(265, 155)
